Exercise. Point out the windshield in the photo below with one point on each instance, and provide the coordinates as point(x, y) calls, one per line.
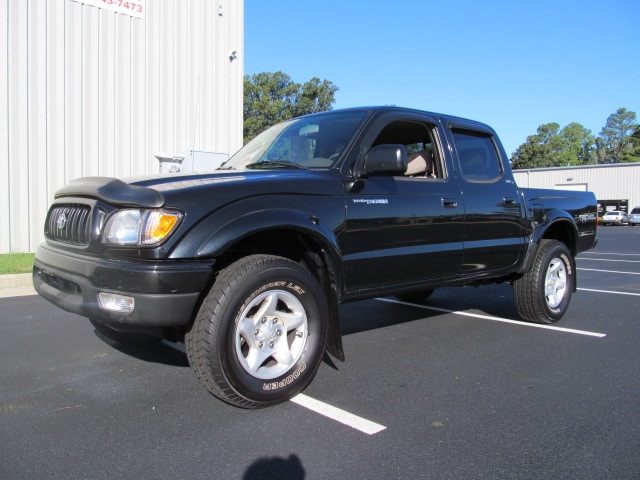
point(307, 142)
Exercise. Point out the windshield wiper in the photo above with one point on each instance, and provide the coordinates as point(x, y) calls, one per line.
point(271, 163)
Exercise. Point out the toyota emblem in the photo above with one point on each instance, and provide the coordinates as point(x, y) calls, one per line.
point(62, 221)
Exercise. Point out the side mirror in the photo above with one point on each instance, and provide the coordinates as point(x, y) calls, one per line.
point(385, 160)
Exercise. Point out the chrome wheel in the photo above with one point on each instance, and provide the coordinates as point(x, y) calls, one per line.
point(555, 282)
point(271, 334)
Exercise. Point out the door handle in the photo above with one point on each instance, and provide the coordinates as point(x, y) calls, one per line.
point(449, 202)
point(509, 200)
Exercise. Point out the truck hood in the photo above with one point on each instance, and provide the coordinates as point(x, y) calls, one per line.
point(158, 191)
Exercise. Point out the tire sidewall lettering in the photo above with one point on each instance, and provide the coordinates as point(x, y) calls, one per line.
point(293, 287)
point(567, 263)
point(287, 380)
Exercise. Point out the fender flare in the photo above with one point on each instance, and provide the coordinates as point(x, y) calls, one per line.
point(276, 219)
point(224, 236)
point(553, 219)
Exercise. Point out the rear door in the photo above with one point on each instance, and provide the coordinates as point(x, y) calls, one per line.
point(404, 229)
point(494, 227)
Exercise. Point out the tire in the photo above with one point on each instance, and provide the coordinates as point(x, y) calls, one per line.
point(415, 297)
point(260, 334)
point(543, 294)
point(124, 338)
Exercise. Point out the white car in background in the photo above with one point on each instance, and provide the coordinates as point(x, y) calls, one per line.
point(615, 217)
point(634, 217)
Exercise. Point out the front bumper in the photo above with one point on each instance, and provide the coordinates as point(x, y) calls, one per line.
point(165, 292)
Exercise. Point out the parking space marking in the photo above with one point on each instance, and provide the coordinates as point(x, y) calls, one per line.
point(609, 291)
point(607, 271)
point(582, 255)
point(497, 319)
point(329, 411)
point(339, 415)
point(608, 260)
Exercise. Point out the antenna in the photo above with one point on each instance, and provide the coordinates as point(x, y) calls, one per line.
point(195, 118)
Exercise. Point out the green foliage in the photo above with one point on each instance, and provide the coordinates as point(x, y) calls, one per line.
point(552, 147)
point(12, 263)
point(619, 141)
point(633, 153)
point(270, 98)
point(578, 148)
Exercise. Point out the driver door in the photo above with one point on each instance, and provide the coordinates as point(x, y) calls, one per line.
point(404, 229)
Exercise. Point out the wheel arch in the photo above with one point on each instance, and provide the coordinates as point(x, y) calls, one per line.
point(558, 225)
point(295, 235)
point(563, 229)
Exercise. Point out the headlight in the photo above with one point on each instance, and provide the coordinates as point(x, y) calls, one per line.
point(140, 227)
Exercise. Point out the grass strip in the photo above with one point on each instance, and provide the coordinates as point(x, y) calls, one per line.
point(12, 263)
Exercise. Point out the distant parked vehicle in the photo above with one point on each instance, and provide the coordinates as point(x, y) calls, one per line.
point(634, 217)
point(615, 218)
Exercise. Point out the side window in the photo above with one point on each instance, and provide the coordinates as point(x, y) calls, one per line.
point(423, 157)
point(477, 154)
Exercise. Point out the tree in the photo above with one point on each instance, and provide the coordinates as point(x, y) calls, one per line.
point(270, 98)
point(616, 137)
point(540, 150)
point(619, 141)
point(555, 147)
point(579, 145)
point(633, 153)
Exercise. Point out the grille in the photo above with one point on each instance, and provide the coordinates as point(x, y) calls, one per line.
point(69, 224)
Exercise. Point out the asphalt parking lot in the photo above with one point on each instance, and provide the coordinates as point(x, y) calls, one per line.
point(454, 388)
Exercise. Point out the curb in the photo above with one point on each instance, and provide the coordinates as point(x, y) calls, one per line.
point(16, 280)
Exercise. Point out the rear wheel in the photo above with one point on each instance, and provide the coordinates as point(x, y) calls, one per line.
point(543, 294)
point(260, 334)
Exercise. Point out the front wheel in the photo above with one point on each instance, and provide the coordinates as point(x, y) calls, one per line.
point(543, 294)
point(260, 334)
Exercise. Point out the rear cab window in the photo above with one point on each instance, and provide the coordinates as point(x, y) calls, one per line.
point(478, 156)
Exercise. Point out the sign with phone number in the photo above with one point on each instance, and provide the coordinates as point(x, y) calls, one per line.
point(133, 9)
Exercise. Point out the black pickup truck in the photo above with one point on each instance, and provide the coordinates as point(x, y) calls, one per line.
point(248, 264)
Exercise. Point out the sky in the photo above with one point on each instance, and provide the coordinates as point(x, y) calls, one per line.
point(514, 65)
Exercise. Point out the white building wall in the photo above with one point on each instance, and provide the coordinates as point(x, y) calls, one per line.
point(86, 91)
point(607, 182)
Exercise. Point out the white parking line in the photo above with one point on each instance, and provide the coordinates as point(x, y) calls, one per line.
point(342, 416)
point(608, 260)
point(609, 291)
point(608, 271)
point(582, 255)
point(334, 413)
point(498, 319)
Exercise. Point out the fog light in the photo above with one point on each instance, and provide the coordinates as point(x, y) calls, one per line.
point(116, 303)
